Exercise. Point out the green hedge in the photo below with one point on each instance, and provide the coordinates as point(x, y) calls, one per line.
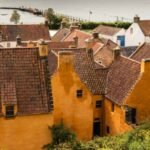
point(92, 25)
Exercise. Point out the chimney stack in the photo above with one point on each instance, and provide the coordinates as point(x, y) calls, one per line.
point(116, 53)
point(74, 26)
point(89, 43)
point(89, 50)
point(63, 24)
point(76, 41)
point(46, 23)
point(65, 60)
point(136, 19)
point(18, 40)
point(95, 35)
point(43, 48)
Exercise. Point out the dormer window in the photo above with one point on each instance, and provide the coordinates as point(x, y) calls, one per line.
point(10, 111)
point(79, 93)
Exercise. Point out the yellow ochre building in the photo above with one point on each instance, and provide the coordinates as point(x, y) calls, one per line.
point(42, 86)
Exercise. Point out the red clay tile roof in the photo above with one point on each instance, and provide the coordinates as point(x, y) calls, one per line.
point(26, 70)
point(145, 26)
point(143, 52)
point(122, 76)
point(82, 36)
point(94, 79)
point(91, 75)
point(106, 30)
point(61, 33)
point(104, 56)
point(8, 93)
point(26, 32)
point(59, 45)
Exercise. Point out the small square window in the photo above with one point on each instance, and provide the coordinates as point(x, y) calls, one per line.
point(9, 111)
point(112, 107)
point(108, 129)
point(98, 104)
point(79, 93)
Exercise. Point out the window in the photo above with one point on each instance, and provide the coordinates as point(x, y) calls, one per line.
point(79, 93)
point(112, 107)
point(107, 129)
point(130, 115)
point(9, 111)
point(131, 31)
point(98, 104)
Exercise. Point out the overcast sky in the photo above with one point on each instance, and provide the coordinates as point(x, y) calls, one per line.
point(81, 8)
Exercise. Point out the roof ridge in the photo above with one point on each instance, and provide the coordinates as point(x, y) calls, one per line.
point(137, 50)
point(130, 59)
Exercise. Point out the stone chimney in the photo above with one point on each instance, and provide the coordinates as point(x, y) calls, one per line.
point(136, 19)
point(145, 65)
point(116, 53)
point(63, 23)
point(65, 60)
point(89, 43)
point(75, 38)
point(46, 23)
point(95, 35)
point(74, 26)
point(89, 46)
point(43, 48)
point(18, 40)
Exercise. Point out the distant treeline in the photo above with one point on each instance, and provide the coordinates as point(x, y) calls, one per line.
point(92, 25)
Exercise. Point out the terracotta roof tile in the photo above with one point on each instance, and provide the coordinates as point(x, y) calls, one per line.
point(82, 36)
point(59, 45)
point(145, 26)
point(61, 33)
point(26, 71)
point(106, 30)
point(122, 76)
point(8, 93)
point(142, 52)
point(91, 74)
point(26, 32)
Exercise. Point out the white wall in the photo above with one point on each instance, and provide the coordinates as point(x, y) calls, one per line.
point(8, 44)
point(105, 36)
point(114, 37)
point(120, 33)
point(136, 38)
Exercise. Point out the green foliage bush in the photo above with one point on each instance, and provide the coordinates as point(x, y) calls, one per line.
point(60, 134)
point(137, 139)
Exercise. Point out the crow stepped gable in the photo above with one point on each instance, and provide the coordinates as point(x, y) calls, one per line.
point(42, 86)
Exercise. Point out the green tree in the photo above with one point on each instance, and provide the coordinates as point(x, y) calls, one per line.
point(15, 17)
point(50, 16)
